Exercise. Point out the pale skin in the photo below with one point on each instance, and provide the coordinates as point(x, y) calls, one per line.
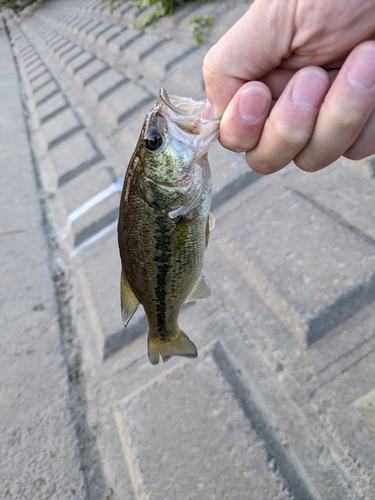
point(295, 81)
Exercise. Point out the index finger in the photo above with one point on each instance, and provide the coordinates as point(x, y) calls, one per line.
point(255, 45)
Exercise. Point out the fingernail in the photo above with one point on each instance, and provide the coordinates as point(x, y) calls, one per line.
point(253, 103)
point(361, 72)
point(308, 89)
point(208, 111)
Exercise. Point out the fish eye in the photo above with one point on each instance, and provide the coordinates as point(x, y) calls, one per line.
point(153, 140)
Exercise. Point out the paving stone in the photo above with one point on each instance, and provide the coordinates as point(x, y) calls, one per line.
point(343, 417)
point(84, 187)
point(61, 127)
point(71, 55)
point(83, 32)
point(72, 22)
point(125, 101)
point(90, 72)
point(365, 408)
point(46, 92)
point(54, 44)
point(107, 11)
point(109, 35)
point(79, 62)
point(169, 54)
point(64, 49)
point(124, 40)
point(131, 16)
point(36, 64)
point(353, 200)
point(100, 219)
point(31, 59)
point(184, 79)
point(74, 156)
point(312, 279)
point(80, 24)
point(25, 50)
point(145, 45)
point(119, 10)
point(51, 36)
point(52, 108)
point(34, 75)
point(99, 8)
point(62, 46)
point(102, 28)
point(42, 80)
point(105, 85)
point(194, 399)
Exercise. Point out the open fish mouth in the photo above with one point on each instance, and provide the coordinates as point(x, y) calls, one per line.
point(187, 115)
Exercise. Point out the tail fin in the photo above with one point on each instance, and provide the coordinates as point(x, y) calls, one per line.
point(178, 346)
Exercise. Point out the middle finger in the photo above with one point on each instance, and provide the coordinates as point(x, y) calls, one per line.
point(291, 121)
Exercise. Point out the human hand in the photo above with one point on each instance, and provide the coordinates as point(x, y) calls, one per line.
point(295, 81)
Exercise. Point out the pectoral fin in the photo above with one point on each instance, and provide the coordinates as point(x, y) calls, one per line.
point(129, 302)
point(209, 226)
point(201, 290)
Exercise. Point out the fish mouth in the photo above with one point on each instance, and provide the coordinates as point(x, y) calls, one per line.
point(185, 122)
point(187, 114)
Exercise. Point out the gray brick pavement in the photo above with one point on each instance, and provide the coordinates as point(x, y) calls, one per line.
point(279, 402)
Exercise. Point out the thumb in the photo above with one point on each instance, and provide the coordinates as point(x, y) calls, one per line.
point(253, 47)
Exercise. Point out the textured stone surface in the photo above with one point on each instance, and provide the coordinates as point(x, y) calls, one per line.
point(91, 72)
point(289, 275)
point(213, 416)
point(124, 102)
point(105, 85)
point(123, 40)
point(63, 126)
point(75, 155)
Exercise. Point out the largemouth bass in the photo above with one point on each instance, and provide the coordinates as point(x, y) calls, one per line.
point(165, 221)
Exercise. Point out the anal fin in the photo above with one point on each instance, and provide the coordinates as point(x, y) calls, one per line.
point(201, 290)
point(129, 302)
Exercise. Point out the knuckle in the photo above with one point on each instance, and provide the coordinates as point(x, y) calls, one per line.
point(286, 135)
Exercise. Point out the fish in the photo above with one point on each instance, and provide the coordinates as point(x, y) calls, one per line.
point(165, 222)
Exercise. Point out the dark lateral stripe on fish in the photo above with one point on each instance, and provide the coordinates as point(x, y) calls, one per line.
point(161, 253)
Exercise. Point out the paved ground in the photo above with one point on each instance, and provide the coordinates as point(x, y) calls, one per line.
point(280, 402)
